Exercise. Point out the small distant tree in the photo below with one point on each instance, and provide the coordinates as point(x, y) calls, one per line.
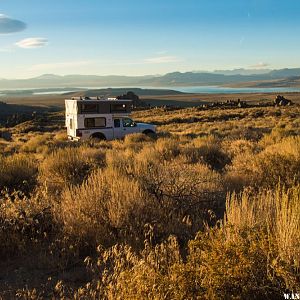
point(132, 96)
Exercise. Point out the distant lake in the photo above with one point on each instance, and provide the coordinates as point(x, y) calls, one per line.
point(185, 89)
point(208, 89)
point(228, 90)
point(52, 92)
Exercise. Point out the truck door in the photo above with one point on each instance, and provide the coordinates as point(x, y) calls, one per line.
point(123, 126)
point(118, 129)
point(129, 126)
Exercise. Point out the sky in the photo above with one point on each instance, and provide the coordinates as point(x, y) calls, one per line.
point(131, 37)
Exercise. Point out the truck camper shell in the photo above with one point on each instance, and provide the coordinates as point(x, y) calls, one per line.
point(101, 118)
point(97, 105)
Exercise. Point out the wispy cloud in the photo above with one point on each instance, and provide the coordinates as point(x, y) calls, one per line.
point(162, 59)
point(8, 25)
point(60, 65)
point(260, 65)
point(161, 52)
point(32, 43)
point(7, 49)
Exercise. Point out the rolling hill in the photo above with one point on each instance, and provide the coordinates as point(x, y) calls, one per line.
point(167, 80)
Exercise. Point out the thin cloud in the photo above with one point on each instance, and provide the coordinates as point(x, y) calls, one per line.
point(7, 49)
point(59, 65)
point(260, 65)
point(162, 59)
point(162, 52)
point(32, 43)
point(8, 25)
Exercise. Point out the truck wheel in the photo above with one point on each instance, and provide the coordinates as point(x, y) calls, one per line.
point(149, 133)
point(97, 137)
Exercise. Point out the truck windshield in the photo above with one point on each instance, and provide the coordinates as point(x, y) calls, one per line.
point(128, 122)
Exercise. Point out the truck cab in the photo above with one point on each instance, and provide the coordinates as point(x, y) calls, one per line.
point(102, 118)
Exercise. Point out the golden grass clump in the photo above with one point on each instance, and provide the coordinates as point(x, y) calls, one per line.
point(36, 144)
point(207, 150)
point(280, 161)
point(108, 203)
point(24, 224)
point(167, 148)
point(18, 172)
point(71, 165)
point(276, 212)
point(240, 146)
point(137, 138)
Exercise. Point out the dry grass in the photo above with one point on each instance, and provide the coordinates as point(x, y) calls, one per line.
point(254, 253)
point(17, 173)
point(70, 165)
point(157, 209)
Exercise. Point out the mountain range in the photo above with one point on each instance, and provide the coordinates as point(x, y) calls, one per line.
point(239, 77)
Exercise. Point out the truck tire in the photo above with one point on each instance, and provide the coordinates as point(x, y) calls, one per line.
point(149, 133)
point(97, 137)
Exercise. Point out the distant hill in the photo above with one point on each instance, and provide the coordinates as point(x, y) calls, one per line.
point(243, 71)
point(220, 77)
point(113, 92)
point(293, 81)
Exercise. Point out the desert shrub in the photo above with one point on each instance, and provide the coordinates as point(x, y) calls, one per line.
point(122, 161)
point(122, 274)
point(183, 194)
point(71, 165)
point(214, 156)
point(274, 211)
point(137, 138)
point(277, 134)
point(289, 147)
point(26, 293)
point(97, 211)
point(208, 151)
point(221, 267)
point(248, 256)
point(280, 161)
point(61, 136)
point(262, 170)
point(237, 147)
point(18, 172)
point(274, 167)
point(116, 203)
point(148, 155)
point(167, 148)
point(177, 188)
point(245, 132)
point(24, 223)
point(36, 144)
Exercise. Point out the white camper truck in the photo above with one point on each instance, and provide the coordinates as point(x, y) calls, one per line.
point(101, 118)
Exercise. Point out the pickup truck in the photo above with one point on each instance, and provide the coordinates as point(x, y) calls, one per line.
point(102, 119)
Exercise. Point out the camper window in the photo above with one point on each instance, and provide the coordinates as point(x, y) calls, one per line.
point(118, 107)
point(89, 108)
point(94, 122)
